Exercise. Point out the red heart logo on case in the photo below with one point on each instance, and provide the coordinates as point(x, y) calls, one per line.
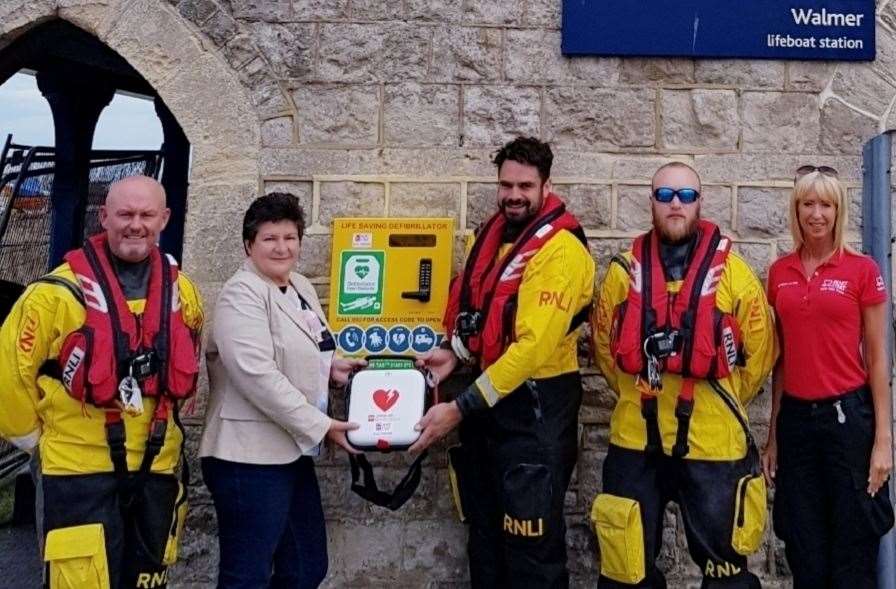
point(385, 399)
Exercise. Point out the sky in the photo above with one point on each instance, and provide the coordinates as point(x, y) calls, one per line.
point(127, 123)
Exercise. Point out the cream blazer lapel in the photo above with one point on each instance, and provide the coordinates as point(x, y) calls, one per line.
point(282, 300)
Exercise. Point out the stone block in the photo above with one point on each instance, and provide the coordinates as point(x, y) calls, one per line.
point(590, 203)
point(197, 11)
point(269, 99)
point(843, 129)
point(435, 10)
point(809, 75)
point(197, 563)
point(219, 239)
point(289, 48)
point(543, 13)
point(465, 54)
point(430, 163)
point(534, 57)
point(482, 201)
point(700, 120)
point(762, 212)
point(780, 122)
point(589, 469)
point(375, 10)
point(860, 86)
point(598, 119)
point(854, 212)
point(778, 166)
point(314, 259)
point(319, 9)
point(494, 115)
point(603, 250)
point(581, 545)
point(489, 12)
point(255, 73)
point(425, 200)
point(364, 549)
point(581, 164)
point(220, 28)
point(633, 208)
point(267, 10)
point(716, 206)
point(337, 114)
point(350, 199)
point(368, 52)
point(423, 115)
point(277, 132)
point(757, 255)
point(741, 73)
point(302, 190)
point(641, 168)
point(640, 70)
point(436, 550)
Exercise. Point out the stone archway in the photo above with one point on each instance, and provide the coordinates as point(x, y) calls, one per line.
point(201, 90)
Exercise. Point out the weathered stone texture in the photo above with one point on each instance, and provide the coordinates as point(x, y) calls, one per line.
point(302, 191)
point(366, 52)
point(277, 132)
point(508, 12)
point(596, 118)
point(633, 212)
point(543, 13)
point(375, 10)
point(220, 28)
point(843, 130)
point(858, 85)
point(425, 200)
point(533, 57)
point(289, 48)
point(269, 10)
point(438, 10)
point(700, 120)
point(590, 203)
point(716, 206)
point(741, 73)
point(337, 114)
point(809, 75)
point(319, 9)
point(350, 199)
point(762, 212)
point(417, 114)
point(495, 114)
point(481, 199)
point(780, 122)
point(465, 54)
point(197, 11)
point(640, 70)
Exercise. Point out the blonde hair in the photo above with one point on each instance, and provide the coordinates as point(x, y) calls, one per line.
point(828, 189)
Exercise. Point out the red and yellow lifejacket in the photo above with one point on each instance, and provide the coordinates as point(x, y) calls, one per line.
point(94, 359)
point(707, 342)
point(486, 290)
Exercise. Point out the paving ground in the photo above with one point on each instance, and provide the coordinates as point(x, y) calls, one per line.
point(20, 566)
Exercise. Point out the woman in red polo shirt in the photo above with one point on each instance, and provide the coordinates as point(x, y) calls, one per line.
point(829, 448)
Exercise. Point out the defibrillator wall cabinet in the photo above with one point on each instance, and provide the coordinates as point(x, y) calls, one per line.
point(389, 283)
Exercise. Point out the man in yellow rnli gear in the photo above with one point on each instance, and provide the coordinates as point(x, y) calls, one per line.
point(112, 505)
point(513, 314)
point(683, 334)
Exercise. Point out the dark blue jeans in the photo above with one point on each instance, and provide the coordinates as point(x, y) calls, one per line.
point(271, 529)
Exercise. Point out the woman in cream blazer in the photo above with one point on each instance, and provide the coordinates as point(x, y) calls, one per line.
point(270, 361)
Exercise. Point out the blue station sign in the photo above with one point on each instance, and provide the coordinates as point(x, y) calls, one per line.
point(770, 29)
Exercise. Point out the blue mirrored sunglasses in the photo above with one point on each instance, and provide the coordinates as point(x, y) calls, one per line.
point(665, 194)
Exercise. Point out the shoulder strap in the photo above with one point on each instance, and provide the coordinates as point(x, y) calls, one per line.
point(369, 490)
point(66, 284)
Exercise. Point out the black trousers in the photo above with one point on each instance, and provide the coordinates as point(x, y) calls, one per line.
point(705, 492)
point(513, 470)
point(135, 538)
point(830, 525)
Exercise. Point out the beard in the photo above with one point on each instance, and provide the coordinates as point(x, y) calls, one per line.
point(515, 218)
point(677, 232)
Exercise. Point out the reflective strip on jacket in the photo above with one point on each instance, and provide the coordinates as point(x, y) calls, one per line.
point(557, 283)
point(715, 433)
point(34, 407)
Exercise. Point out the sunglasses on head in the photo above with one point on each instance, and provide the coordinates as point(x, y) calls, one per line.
point(808, 169)
point(665, 194)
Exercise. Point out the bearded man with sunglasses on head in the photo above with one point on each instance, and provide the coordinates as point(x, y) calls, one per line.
point(683, 334)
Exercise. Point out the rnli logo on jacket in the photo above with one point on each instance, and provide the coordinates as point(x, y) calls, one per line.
point(151, 580)
point(720, 570)
point(526, 528)
point(71, 366)
point(553, 298)
point(385, 399)
point(29, 333)
point(730, 348)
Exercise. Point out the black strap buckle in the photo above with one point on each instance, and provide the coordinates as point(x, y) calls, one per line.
point(142, 366)
point(467, 323)
point(683, 411)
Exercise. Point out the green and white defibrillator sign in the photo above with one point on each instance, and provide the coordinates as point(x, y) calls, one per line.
point(361, 284)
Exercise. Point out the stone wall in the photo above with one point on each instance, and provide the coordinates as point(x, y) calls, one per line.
point(393, 108)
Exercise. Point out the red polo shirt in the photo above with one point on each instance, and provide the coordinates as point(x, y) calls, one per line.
point(821, 321)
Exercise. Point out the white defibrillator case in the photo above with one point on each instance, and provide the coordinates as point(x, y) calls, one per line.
point(386, 400)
